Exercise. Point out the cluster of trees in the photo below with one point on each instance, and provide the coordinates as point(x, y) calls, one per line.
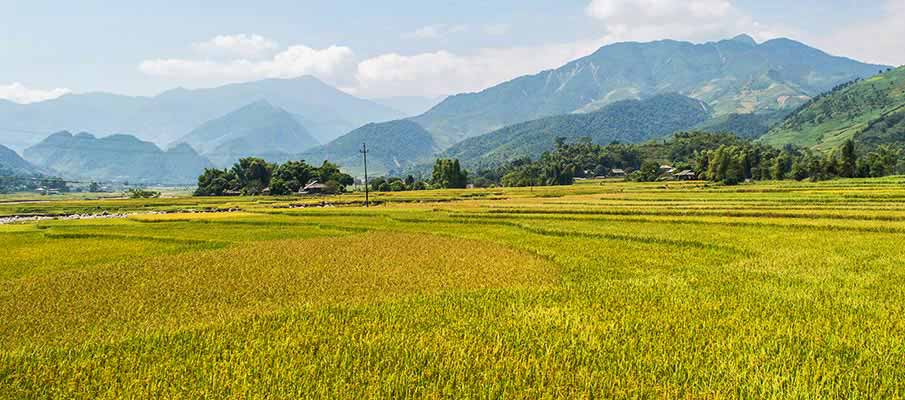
point(254, 176)
point(11, 182)
point(448, 174)
point(717, 157)
point(397, 184)
point(737, 163)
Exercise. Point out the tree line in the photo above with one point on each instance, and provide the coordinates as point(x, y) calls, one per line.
point(255, 176)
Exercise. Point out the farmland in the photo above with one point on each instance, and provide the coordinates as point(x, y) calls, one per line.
point(614, 289)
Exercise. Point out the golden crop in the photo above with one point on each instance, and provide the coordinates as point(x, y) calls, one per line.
point(769, 290)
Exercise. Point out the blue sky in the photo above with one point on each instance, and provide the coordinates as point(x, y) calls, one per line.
point(386, 48)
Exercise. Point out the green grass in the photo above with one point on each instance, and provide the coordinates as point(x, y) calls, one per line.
point(769, 290)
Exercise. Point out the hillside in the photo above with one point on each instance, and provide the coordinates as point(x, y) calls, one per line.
point(325, 111)
point(731, 76)
point(870, 110)
point(392, 145)
point(257, 129)
point(629, 121)
point(12, 163)
point(116, 158)
point(749, 126)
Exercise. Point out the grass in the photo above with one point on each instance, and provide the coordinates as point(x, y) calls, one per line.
point(769, 290)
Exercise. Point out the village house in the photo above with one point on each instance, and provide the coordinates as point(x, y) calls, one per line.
point(686, 175)
point(314, 187)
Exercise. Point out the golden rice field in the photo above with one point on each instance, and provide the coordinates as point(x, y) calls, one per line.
point(613, 290)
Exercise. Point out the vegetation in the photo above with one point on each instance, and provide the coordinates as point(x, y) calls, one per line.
point(866, 110)
point(448, 174)
point(137, 193)
point(770, 290)
point(629, 121)
point(255, 176)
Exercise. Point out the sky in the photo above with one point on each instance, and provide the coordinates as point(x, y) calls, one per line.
point(387, 48)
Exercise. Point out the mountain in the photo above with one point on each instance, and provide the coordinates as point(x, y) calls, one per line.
point(258, 129)
point(410, 105)
point(116, 158)
point(392, 145)
point(325, 111)
point(871, 111)
point(732, 76)
point(627, 121)
point(11, 162)
point(748, 126)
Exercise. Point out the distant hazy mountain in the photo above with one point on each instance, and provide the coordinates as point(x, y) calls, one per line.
point(731, 76)
point(325, 111)
point(257, 129)
point(410, 105)
point(871, 111)
point(116, 158)
point(392, 145)
point(11, 162)
point(627, 121)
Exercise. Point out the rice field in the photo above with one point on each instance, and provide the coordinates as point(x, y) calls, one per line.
point(599, 290)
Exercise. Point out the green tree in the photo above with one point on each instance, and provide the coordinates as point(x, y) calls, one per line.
point(448, 174)
point(848, 164)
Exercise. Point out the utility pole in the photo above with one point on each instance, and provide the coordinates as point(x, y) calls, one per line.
point(364, 152)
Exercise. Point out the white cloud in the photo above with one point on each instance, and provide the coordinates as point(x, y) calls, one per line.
point(695, 20)
point(878, 41)
point(443, 72)
point(329, 64)
point(19, 93)
point(241, 45)
point(435, 31)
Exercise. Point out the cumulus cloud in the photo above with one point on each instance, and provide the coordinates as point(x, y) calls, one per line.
point(20, 93)
point(443, 72)
point(241, 45)
point(695, 20)
point(871, 41)
point(328, 64)
point(435, 31)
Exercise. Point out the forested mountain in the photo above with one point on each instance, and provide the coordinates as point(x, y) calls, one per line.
point(325, 111)
point(731, 76)
point(749, 126)
point(871, 111)
point(410, 105)
point(628, 121)
point(392, 145)
point(258, 129)
point(116, 158)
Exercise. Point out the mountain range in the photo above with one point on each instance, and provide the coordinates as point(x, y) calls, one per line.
point(11, 163)
point(258, 129)
point(731, 76)
point(116, 158)
point(323, 110)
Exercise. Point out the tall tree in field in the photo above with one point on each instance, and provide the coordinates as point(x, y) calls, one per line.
point(448, 174)
point(849, 162)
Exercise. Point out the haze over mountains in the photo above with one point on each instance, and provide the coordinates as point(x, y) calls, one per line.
point(630, 92)
point(323, 110)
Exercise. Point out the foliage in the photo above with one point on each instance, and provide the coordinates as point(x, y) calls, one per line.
point(448, 174)
point(254, 176)
point(139, 193)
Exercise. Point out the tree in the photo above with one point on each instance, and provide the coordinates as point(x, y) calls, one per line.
point(94, 187)
point(215, 182)
point(290, 177)
point(848, 165)
point(448, 174)
point(253, 175)
point(649, 172)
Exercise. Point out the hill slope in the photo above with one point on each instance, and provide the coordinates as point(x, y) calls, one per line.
point(630, 121)
point(12, 163)
point(116, 158)
point(392, 145)
point(257, 129)
point(731, 76)
point(325, 111)
point(870, 110)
